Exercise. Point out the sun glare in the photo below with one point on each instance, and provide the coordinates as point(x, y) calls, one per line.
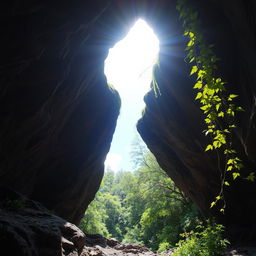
point(128, 68)
point(132, 59)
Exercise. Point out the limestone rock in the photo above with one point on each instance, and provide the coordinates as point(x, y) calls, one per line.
point(27, 228)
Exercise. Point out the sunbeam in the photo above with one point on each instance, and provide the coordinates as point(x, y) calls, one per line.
point(128, 68)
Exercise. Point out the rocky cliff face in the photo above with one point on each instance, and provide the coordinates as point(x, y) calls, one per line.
point(57, 113)
point(172, 124)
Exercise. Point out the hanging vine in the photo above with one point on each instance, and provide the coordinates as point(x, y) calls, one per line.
point(216, 103)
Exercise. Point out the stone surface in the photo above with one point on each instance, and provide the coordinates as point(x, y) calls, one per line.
point(57, 113)
point(173, 124)
point(241, 251)
point(27, 228)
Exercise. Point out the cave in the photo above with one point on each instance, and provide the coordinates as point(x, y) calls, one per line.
point(58, 115)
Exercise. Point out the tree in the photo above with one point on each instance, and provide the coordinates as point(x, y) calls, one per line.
point(142, 206)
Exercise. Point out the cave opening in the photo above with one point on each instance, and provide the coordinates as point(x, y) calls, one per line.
point(129, 69)
point(137, 201)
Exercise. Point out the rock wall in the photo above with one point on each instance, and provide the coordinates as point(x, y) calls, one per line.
point(173, 123)
point(57, 113)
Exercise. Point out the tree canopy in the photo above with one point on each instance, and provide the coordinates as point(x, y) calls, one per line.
point(142, 206)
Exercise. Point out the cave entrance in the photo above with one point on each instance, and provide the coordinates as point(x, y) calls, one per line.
point(137, 201)
point(128, 69)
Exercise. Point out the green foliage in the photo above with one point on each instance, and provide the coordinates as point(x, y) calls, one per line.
point(164, 246)
point(251, 177)
point(133, 235)
point(94, 218)
point(216, 103)
point(143, 206)
point(206, 241)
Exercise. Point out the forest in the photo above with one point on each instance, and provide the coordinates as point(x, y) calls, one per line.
point(144, 206)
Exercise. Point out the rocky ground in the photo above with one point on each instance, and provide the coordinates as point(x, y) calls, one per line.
point(241, 251)
point(99, 246)
point(111, 247)
point(28, 229)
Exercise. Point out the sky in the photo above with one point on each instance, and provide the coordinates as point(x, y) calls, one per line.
point(128, 68)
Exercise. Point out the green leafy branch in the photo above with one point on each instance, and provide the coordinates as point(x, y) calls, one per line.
point(216, 103)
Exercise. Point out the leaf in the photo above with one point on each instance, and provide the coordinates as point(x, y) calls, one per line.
point(198, 85)
point(229, 151)
point(230, 167)
point(212, 204)
point(191, 34)
point(239, 109)
point(222, 210)
point(209, 147)
point(207, 120)
point(232, 96)
point(201, 74)
point(217, 197)
point(192, 59)
point(217, 98)
point(193, 70)
point(226, 183)
point(221, 114)
point(222, 139)
point(199, 95)
point(205, 107)
point(235, 175)
point(208, 131)
point(239, 166)
point(191, 43)
point(218, 106)
point(230, 161)
point(230, 112)
point(217, 144)
point(251, 177)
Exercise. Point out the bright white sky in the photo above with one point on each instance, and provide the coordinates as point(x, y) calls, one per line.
point(128, 68)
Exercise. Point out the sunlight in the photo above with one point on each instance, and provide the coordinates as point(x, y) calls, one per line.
point(112, 162)
point(128, 68)
point(129, 64)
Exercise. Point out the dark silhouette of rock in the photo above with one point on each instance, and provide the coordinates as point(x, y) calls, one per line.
point(112, 242)
point(173, 124)
point(27, 228)
point(96, 239)
point(57, 113)
point(241, 251)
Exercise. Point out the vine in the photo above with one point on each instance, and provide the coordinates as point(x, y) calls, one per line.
point(216, 103)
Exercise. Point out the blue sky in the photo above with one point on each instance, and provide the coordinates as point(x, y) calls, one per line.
point(128, 68)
